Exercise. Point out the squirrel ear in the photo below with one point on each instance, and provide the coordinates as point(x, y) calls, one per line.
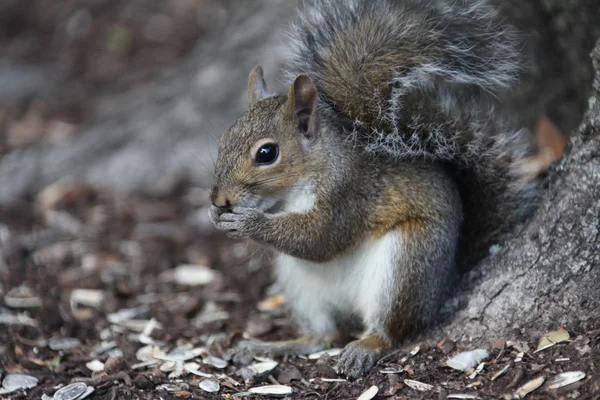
point(257, 88)
point(302, 104)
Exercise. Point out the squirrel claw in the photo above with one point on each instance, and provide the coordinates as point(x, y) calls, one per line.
point(360, 356)
point(240, 222)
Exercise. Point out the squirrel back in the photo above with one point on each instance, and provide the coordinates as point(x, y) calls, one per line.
point(420, 80)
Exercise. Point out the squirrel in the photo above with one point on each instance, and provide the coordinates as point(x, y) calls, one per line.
point(387, 168)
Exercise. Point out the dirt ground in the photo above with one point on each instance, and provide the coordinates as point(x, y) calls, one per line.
point(159, 278)
point(126, 249)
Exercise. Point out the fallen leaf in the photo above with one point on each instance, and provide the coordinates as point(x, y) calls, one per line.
point(552, 338)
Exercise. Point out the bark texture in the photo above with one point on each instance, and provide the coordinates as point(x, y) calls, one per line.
point(548, 274)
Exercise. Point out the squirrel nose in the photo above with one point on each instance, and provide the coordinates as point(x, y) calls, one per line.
point(219, 199)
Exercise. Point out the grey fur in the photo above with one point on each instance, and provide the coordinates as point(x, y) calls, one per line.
point(413, 167)
point(451, 61)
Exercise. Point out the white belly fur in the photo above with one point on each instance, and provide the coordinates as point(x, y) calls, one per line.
point(361, 283)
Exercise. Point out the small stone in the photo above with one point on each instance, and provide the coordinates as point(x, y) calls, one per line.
point(95, 365)
point(59, 344)
point(468, 359)
point(194, 275)
point(71, 392)
point(19, 381)
point(210, 386)
point(369, 393)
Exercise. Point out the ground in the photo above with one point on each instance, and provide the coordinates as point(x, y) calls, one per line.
point(131, 252)
point(74, 237)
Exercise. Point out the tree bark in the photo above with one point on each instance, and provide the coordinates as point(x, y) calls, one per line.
point(163, 134)
point(548, 274)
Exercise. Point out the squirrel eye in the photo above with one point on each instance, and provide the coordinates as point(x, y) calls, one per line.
point(267, 154)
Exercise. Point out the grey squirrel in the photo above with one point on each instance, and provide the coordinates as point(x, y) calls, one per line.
point(386, 168)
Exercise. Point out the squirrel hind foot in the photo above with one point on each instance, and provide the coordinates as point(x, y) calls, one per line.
point(301, 346)
point(361, 355)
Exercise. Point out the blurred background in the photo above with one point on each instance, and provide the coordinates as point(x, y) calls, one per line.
point(132, 95)
point(169, 73)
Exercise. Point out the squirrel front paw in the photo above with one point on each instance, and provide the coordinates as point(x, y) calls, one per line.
point(240, 222)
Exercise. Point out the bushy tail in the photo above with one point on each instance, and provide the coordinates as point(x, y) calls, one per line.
point(419, 80)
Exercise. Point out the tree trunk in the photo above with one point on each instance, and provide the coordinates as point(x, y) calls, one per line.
point(163, 134)
point(548, 274)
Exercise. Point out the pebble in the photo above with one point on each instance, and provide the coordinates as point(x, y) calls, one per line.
point(210, 386)
point(194, 275)
point(369, 393)
point(71, 392)
point(19, 381)
point(95, 365)
point(58, 344)
point(468, 359)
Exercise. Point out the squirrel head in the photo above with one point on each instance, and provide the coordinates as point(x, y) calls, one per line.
point(271, 148)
